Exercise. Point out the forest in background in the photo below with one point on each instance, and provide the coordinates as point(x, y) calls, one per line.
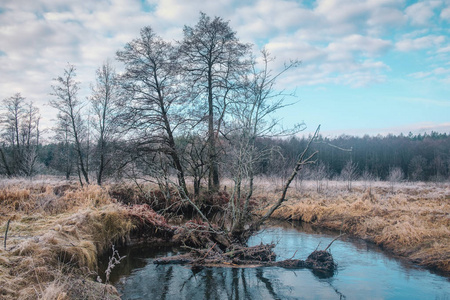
point(423, 157)
point(394, 157)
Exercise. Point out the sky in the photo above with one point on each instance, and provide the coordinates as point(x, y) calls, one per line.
point(368, 67)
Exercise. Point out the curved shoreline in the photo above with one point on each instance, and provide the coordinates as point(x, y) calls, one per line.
point(413, 224)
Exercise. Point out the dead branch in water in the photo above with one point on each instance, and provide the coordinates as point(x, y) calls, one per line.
point(336, 238)
point(256, 256)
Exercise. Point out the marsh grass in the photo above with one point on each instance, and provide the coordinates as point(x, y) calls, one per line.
point(411, 220)
point(56, 234)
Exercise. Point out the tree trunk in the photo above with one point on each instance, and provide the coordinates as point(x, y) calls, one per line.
point(213, 176)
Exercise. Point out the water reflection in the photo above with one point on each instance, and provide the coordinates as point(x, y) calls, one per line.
point(364, 272)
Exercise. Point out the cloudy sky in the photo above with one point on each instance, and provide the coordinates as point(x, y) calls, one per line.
point(368, 66)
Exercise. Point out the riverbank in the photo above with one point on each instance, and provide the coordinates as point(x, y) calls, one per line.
point(410, 220)
point(57, 230)
point(55, 233)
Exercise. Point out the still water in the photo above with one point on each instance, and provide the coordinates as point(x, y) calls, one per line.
point(364, 272)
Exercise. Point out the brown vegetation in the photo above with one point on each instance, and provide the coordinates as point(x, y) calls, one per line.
point(57, 232)
point(410, 220)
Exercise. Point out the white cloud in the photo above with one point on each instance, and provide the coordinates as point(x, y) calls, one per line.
point(444, 49)
point(339, 42)
point(290, 48)
point(356, 16)
point(439, 74)
point(357, 43)
point(420, 13)
point(420, 43)
point(445, 14)
point(384, 16)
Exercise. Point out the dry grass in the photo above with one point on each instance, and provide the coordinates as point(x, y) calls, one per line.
point(411, 220)
point(56, 233)
point(57, 229)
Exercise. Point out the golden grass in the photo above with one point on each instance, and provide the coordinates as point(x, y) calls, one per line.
point(413, 221)
point(54, 239)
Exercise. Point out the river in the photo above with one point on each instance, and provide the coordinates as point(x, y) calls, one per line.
point(364, 272)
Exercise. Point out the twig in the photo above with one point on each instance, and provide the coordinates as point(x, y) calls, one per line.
point(186, 197)
point(341, 235)
point(334, 146)
point(6, 233)
point(209, 250)
point(320, 242)
point(192, 248)
point(294, 254)
point(114, 260)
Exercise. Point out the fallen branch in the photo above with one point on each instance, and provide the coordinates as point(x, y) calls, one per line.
point(256, 256)
point(299, 165)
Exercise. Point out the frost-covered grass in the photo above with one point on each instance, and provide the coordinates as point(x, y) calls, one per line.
point(410, 219)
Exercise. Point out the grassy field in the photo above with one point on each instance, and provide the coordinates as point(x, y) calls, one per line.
point(411, 220)
point(57, 230)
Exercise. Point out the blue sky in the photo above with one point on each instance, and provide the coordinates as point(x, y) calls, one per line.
point(368, 67)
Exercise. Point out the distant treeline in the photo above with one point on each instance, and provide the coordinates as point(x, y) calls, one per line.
point(415, 158)
point(423, 157)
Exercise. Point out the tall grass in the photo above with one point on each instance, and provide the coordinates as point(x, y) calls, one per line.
point(56, 234)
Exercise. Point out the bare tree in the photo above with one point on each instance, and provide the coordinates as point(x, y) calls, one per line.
point(20, 135)
point(395, 175)
point(64, 160)
point(349, 173)
point(105, 101)
point(252, 118)
point(367, 177)
point(152, 82)
point(65, 93)
point(321, 172)
point(212, 57)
